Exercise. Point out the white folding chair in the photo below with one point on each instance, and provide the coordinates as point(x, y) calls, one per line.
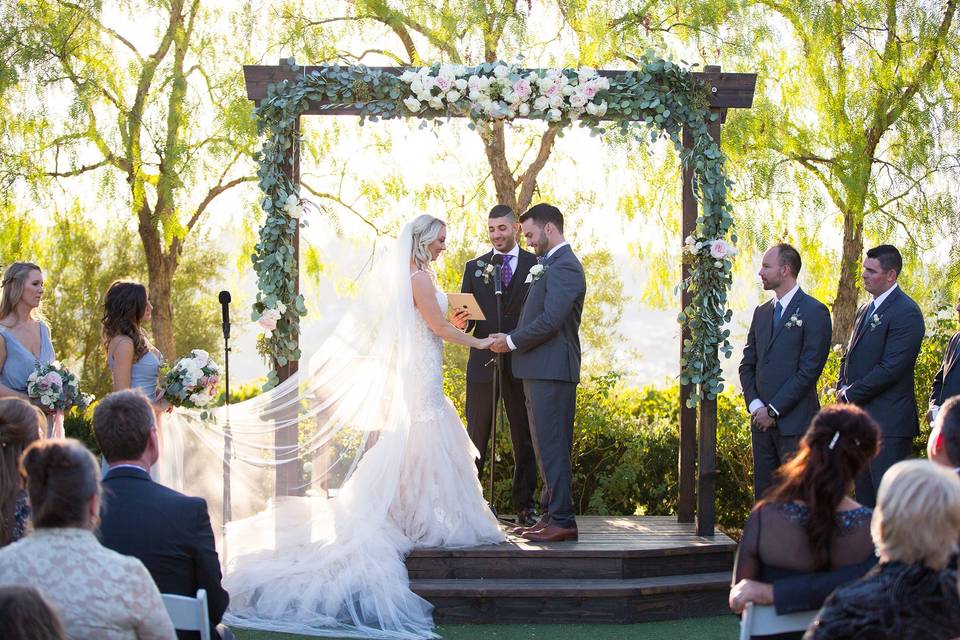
point(189, 614)
point(759, 620)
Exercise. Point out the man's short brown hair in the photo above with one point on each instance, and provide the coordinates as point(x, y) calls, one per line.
point(121, 424)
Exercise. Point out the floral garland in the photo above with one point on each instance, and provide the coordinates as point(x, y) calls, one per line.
point(658, 99)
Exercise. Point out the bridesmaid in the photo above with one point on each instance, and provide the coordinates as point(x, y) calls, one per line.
point(134, 362)
point(24, 338)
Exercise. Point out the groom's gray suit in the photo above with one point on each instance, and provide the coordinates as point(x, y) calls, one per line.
point(547, 359)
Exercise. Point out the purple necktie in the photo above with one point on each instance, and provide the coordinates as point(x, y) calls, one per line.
point(506, 272)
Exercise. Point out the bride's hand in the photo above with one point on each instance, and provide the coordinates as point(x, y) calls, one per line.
point(484, 343)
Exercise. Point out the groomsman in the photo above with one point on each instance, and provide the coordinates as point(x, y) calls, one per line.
point(877, 369)
point(947, 381)
point(503, 230)
point(787, 348)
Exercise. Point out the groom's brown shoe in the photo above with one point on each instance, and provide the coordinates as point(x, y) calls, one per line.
point(551, 533)
point(537, 526)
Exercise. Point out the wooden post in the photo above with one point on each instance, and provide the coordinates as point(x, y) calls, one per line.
point(707, 449)
point(688, 416)
point(288, 471)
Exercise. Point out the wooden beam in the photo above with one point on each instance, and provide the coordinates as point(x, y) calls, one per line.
point(727, 90)
point(687, 463)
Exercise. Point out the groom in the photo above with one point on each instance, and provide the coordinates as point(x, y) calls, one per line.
point(546, 356)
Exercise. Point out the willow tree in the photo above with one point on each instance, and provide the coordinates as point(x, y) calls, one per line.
point(860, 97)
point(155, 110)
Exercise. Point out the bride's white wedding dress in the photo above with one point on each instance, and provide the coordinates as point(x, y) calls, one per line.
point(335, 566)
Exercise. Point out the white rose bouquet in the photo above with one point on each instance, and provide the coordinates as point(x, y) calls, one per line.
point(55, 388)
point(192, 382)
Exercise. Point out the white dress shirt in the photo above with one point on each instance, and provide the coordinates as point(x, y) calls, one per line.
point(510, 344)
point(784, 303)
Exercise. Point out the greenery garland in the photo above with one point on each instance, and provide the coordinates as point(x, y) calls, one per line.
point(658, 99)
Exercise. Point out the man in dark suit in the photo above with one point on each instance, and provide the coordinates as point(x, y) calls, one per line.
point(943, 446)
point(877, 370)
point(546, 356)
point(787, 348)
point(478, 279)
point(167, 531)
point(947, 381)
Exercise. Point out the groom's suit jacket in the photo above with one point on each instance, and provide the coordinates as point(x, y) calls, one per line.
point(946, 383)
point(547, 338)
point(781, 365)
point(879, 364)
point(511, 302)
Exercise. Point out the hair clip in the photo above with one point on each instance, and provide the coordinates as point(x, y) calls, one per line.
point(833, 442)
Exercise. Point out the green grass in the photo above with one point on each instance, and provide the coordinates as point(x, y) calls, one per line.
point(716, 628)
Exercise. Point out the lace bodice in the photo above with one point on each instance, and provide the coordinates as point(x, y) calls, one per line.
point(428, 366)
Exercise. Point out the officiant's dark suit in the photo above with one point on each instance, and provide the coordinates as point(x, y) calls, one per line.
point(781, 364)
point(480, 371)
point(877, 370)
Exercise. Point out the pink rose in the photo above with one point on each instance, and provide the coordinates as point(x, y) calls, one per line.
point(444, 84)
point(552, 90)
point(589, 90)
point(521, 88)
point(720, 249)
point(54, 379)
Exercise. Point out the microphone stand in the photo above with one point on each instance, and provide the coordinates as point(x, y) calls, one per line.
point(227, 438)
point(497, 366)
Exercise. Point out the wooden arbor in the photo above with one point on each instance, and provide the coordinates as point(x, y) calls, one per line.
point(697, 490)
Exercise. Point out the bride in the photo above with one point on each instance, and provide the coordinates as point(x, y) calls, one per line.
point(370, 409)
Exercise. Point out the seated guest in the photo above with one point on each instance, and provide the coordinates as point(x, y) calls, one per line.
point(97, 593)
point(943, 446)
point(806, 521)
point(910, 594)
point(168, 531)
point(26, 615)
point(21, 424)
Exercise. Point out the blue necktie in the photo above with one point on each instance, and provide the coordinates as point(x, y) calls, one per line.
point(777, 314)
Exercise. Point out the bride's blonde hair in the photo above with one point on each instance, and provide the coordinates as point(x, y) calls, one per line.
point(425, 229)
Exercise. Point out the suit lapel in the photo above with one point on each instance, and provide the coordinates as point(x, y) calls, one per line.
point(858, 327)
point(765, 327)
point(789, 311)
point(951, 354)
point(878, 312)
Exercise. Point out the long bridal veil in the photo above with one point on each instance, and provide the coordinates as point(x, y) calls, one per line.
point(307, 563)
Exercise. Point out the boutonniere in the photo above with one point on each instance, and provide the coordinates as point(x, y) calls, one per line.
point(536, 272)
point(484, 269)
point(875, 320)
point(794, 321)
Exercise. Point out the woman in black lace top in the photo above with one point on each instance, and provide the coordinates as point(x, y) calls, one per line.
point(806, 522)
point(20, 424)
point(910, 594)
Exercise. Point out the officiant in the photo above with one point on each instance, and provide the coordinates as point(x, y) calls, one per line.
point(479, 278)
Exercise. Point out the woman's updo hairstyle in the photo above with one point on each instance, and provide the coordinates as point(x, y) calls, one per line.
point(425, 229)
point(61, 477)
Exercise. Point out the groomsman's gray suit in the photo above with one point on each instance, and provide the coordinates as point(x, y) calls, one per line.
point(780, 367)
point(946, 383)
point(879, 367)
point(547, 359)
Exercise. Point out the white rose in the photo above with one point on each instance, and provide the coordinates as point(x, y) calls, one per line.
point(591, 108)
point(460, 84)
point(413, 104)
point(578, 100)
point(720, 249)
point(200, 398)
point(554, 114)
point(602, 109)
point(428, 82)
point(408, 76)
point(416, 86)
point(541, 103)
point(453, 96)
point(602, 83)
point(556, 101)
point(436, 103)
point(536, 270)
point(282, 308)
point(501, 71)
point(524, 109)
point(567, 90)
point(585, 74)
point(201, 357)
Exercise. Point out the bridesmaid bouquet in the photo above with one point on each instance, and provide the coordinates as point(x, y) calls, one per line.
point(56, 388)
point(192, 381)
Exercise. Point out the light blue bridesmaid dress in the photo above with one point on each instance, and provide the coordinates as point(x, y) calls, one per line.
point(21, 362)
point(144, 375)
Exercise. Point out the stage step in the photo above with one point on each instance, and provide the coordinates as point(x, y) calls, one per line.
point(576, 601)
point(622, 570)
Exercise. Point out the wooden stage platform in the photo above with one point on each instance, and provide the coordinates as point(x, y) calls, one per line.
point(622, 570)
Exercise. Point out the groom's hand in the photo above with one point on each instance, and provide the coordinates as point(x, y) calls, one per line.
point(499, 343)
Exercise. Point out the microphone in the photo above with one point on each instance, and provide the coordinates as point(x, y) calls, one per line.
point(497, 261)
point(225, 309)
